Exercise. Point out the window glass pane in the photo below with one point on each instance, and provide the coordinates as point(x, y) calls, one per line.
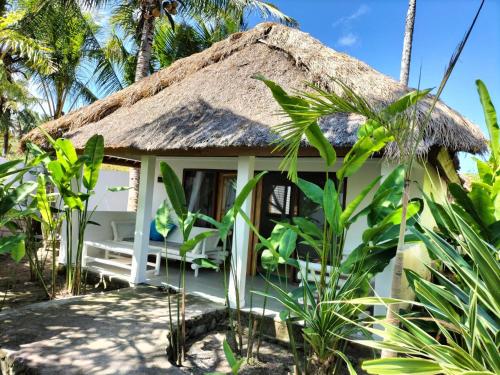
point(200, 189)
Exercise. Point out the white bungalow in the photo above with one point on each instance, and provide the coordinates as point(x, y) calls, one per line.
point(211, 121)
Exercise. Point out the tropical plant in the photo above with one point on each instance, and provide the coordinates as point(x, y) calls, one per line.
point(186, 221)
point(18, 53)
point(457, 333)
point(409, 131)
point(226, 231)
point(78, 59)
point(13, 192)
point(75, 178)
point(311, 303)
point(480, 205)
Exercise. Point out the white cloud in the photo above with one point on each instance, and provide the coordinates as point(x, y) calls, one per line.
point(347, 20)
point(347, 40)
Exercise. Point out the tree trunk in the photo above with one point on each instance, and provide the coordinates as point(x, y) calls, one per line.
point(133, 193)
point(397, 273)
point(407, 43)
point(141, 71)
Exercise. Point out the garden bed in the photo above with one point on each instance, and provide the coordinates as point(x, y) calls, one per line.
point(205, 354)
point(18, 288)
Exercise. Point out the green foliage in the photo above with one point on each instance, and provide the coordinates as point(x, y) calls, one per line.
point(481, 204)
point(81, 69)
point(462, 305)
point(75, 177)
point(14, 193)
point(312, 303)
point(234, 363)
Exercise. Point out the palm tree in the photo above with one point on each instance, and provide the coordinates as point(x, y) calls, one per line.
point(17, 52)
point(142, 29)
point(82, 72)
point(397, 272)
point(407, 42)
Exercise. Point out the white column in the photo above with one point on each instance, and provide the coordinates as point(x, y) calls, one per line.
point(143, 219)
point(241, 234)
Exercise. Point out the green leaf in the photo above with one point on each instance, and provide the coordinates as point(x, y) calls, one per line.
point(287, 244)
point(56, 172)
point(268, 260)
point(42, 200)
point(94, 152)
point(192, 242)
point(174, 190)
point(354, 204)
point(311, 191)
point(331, 206)
point(402, 366)
point(162, 219)
point(206, 263)
point(234, 363)
point(13, 245)
point(66, 153)
point(372, 137)
point(318, 140)
point(394, 218)
point(403, 103)
point(490, 117)
point(480, 197)
point(15, 196)
point(9, 167)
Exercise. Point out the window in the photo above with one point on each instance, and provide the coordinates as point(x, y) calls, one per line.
point(200, 188)
point(210, 192)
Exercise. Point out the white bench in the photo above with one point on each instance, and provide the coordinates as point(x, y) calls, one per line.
point(122, 244)
point(114, 252)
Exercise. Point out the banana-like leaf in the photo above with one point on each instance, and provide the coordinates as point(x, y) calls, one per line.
point(13, 245)
point(372, 137)
point(490, 117)
point(287, 244)
point(94, 151)
point(311, 191)
point(206, 263)
point(162, 219)
point(16, 195)
point(174, 190)
point(318, 140)
point(190, 244)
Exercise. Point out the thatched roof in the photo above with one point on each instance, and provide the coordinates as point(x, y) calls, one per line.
point(209, 101)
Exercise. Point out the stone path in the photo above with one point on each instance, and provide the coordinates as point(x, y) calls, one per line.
point(120, 332)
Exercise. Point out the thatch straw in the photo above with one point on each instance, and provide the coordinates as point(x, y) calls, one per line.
point(210, 101)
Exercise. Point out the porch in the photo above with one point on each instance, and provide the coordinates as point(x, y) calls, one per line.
point(279, 202)
point(208, 284)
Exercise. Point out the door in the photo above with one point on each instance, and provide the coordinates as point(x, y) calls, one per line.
point(281, 200)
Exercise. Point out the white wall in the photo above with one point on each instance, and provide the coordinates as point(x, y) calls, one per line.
point(106, 200)
point(355, 183)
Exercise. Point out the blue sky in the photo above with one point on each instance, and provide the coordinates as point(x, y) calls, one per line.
point(372, 31)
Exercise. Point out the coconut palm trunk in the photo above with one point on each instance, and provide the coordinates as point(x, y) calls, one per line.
point(397, 273)
point(141, 71)
point(408, 42)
